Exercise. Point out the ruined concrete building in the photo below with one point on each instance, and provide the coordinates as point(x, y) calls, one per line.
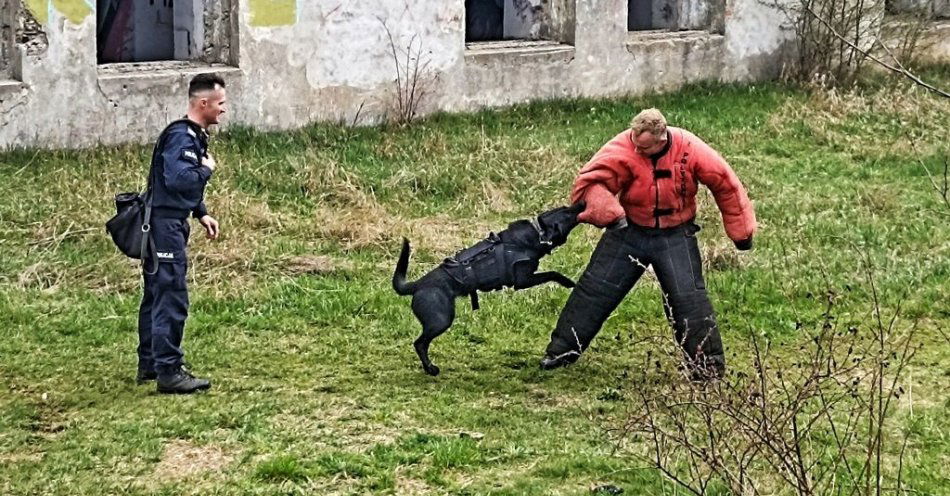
point(80, 72)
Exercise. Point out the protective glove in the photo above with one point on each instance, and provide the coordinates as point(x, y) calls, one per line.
point(744, 245)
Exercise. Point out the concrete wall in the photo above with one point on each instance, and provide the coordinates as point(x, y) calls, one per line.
point(7, 23)
point(935, 42)
point(189, 29)
point(938, 9)
point(291, 62)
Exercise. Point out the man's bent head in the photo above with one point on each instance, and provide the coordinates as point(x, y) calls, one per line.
point(648, 130)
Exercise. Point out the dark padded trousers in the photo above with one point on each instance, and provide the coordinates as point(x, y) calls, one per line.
point(164, 307)
point(621, 257)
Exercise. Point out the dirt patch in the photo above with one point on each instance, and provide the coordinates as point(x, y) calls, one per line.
point(183, 459)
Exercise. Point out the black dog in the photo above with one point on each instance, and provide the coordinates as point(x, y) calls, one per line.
point(509, 258)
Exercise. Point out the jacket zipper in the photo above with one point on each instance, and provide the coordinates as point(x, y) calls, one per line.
point(656, 189)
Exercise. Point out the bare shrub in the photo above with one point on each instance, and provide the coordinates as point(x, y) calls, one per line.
point(815, 420)
point(905, 32)
point(835, 39)
point(414, 79)
point(822, 29)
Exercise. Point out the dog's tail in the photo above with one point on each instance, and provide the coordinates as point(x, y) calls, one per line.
point(400, 285)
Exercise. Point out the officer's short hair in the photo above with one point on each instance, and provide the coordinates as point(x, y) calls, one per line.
point(204, 82)
point(649, 120)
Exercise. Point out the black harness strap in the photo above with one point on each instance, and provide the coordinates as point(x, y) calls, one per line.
point(147, 242)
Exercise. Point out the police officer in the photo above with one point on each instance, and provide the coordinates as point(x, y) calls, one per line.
point(180, 170)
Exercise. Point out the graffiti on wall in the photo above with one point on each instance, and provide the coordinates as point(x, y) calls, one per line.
point(73, 10)
point(268, 13)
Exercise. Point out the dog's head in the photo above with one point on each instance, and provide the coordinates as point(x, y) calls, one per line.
point(557, 223)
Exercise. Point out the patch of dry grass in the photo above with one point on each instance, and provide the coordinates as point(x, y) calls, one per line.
point(182, 459)
point(831, 114)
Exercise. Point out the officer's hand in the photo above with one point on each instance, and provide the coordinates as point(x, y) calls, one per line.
point(211, 226)
point(208, 161)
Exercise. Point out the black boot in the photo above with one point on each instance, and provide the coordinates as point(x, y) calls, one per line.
point(549, 362)
point(181, 382)
point(145, 375)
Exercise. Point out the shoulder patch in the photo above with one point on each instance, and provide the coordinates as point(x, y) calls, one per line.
point(189, 155)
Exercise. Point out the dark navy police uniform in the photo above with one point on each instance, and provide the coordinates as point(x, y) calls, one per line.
point(178, 182)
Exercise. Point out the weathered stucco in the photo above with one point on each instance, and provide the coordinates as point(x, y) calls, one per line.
point(935, 42)
point(291, 62)
point(7, 28)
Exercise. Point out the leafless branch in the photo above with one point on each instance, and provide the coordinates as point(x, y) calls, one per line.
point(897, 69)
point(413, 78)
point(817, 426)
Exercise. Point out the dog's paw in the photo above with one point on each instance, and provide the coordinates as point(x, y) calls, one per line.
point(432, 370)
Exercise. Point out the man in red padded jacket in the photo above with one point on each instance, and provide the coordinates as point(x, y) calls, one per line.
point(642, 186)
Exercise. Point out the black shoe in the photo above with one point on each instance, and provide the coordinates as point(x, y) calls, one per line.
point(181, 382)
point(144, 376)
point(551, 363)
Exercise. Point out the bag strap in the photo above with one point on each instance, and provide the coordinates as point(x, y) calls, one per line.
point(147, 242)
point(160, 143)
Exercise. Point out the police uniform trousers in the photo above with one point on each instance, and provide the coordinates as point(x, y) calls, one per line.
point(621, 257)
point(164, 305)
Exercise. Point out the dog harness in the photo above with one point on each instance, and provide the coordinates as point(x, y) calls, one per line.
point(488, 265)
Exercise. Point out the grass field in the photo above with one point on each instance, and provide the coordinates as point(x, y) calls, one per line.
point(316, 388)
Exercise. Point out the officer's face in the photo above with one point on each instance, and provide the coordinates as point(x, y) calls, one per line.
point(212, 105)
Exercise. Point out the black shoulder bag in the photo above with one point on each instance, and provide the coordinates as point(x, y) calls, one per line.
point(131, 227)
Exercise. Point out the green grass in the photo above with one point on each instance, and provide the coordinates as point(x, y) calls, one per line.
point(316, 388)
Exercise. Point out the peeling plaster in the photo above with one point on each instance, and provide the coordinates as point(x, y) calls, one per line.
point(220, 44)
point(9, 103)
point(30, 34)
point(294, 62)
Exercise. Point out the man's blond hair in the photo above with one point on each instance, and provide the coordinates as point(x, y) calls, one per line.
point(649, 120)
